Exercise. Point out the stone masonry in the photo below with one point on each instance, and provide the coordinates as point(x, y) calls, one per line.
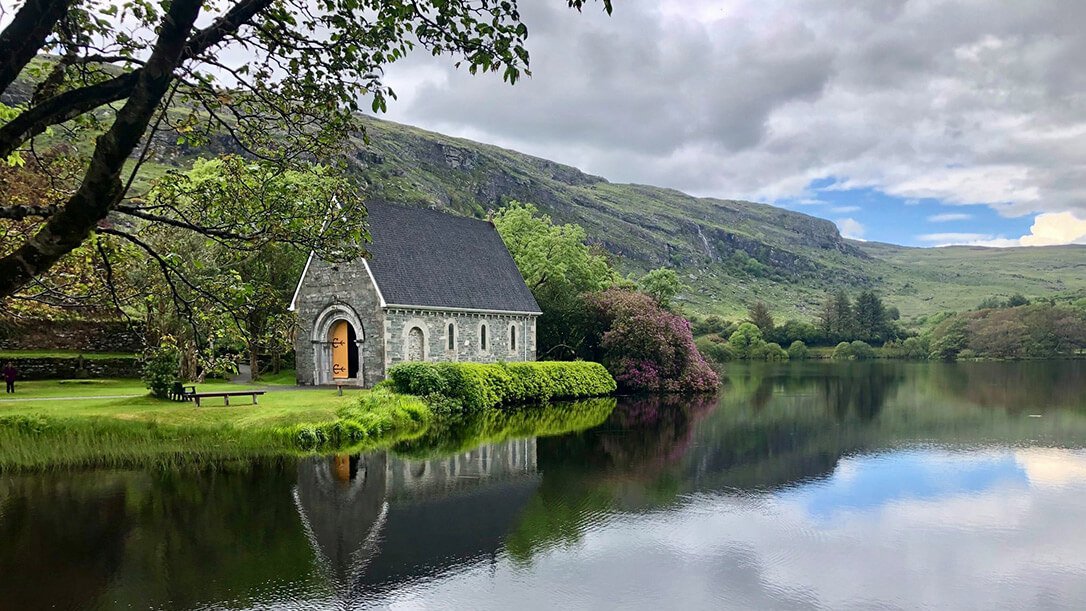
point(435, 288)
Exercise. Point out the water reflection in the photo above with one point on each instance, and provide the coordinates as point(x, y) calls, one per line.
point(378, 519)
point(807, 485)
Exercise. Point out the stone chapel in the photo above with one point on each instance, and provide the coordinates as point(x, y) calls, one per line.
point(435, 287)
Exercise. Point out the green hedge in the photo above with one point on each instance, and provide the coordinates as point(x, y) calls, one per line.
point(481, 386)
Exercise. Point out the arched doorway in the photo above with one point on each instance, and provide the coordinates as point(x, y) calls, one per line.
point(344, 341)
point(337, 339)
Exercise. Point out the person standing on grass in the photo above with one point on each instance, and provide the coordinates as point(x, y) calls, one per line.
point(10, 373)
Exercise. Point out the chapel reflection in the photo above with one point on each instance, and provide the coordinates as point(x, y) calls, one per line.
point(378, 520)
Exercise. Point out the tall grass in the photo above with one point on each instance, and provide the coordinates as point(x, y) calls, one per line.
point(34, 441)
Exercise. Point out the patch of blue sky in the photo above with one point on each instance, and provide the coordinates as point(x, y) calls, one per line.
point(876, 216)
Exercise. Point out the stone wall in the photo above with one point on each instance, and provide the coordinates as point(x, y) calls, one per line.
point(57, 368)
point(467, 336)
point(77, 335)
point(330, 292)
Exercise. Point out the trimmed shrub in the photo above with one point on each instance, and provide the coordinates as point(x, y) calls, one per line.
point(842, 352)
point(482, 385)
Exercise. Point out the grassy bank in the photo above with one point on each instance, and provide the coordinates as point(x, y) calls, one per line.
point(87, 430)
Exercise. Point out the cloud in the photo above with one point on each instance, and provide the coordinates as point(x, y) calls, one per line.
point(851, 228)
point(944, 99)
point(1055, 228)
point(846, 209)
point(951, 238)
point(1049, 229)
point(949, 216)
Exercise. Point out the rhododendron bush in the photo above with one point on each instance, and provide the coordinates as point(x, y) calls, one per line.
point(645, 347)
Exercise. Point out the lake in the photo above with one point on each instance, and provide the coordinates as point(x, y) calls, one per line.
point(824, 485)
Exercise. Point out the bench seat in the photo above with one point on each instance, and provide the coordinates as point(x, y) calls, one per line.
point(226, 394)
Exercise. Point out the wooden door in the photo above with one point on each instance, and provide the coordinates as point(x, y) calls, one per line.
point(340, 351)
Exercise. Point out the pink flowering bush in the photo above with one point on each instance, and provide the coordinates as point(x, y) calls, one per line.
point(645, 347)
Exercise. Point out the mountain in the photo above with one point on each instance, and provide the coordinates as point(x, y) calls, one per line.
point(730, 253)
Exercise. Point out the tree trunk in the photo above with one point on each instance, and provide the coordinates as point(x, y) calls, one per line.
point(254, 361)
point(102, 188)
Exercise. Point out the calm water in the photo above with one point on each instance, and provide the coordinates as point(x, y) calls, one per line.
point(832, 486)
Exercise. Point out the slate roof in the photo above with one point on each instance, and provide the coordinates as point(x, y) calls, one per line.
point(427, 258)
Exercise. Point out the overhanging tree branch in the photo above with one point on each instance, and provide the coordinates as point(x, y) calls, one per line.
point(73, 103)
point(26, 35)
point(101, 187)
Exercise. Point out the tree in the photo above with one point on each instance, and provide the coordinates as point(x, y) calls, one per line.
point(798, 351)
point(871, 320)
point(949, 338)
point(795, 330)
point(560, 269)
point(745, 341)
point(295, 73)
point(760, 316)
point(837, 318)
point(662, 284)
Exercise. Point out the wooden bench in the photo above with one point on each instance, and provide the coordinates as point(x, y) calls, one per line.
point(180, 392)
point(226, 394)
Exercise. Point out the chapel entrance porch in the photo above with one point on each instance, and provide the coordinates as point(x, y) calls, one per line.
point(337, 354)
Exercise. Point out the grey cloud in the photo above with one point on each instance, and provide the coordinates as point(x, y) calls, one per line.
point(952, 99)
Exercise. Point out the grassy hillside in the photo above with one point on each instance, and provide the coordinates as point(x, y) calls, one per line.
point(730, 253)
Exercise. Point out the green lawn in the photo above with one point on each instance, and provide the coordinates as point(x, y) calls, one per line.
point(89, 431)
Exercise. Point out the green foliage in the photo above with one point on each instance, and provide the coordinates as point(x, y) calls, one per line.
point(838, 321)
point(911, 348)
point(745, 340)
point(798, 351)
point(795, 330)
point(861, 351)
point(715, 348)
point(871, 319)
point(853, 351)
point(559, 268)
point(161, 368)
point(769, 351)
point(482, 385)
point(1016, 300)
point(948, 339)
point(662, 284)
point(761, 317)
point(1040, 330)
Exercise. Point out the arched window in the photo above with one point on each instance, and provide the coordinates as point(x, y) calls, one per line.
point(452, 337)
point(482, 337)
point(415, 345)
point(512, 338)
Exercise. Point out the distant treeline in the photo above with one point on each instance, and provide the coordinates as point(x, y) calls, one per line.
point(1011, 328)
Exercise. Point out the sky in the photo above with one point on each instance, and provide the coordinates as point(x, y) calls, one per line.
point(917, 122)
